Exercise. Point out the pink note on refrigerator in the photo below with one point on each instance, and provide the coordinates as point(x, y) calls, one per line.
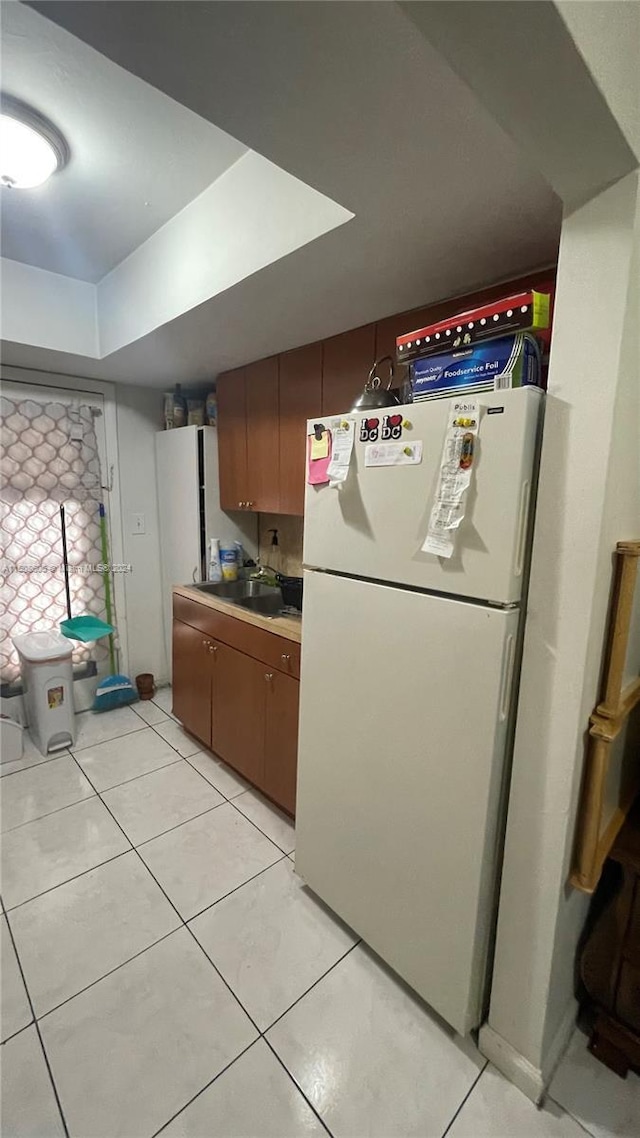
point(317, 468)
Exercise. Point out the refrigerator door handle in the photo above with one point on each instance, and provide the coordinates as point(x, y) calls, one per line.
point(507, 676)
point(525, 495)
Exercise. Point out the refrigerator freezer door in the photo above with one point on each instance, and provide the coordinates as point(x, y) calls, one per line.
point(404, 712)
point(374, 525)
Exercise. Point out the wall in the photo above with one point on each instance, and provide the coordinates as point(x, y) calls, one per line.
point(287, 556)
point(48, 310)
point(139, 417)
point(607, 36)
point(588, 499)
point(251, 216)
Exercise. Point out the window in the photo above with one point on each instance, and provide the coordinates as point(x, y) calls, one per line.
point(52, 444)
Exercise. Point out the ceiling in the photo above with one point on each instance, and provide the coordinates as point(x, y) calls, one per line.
point(138, 156)
point(351, 99)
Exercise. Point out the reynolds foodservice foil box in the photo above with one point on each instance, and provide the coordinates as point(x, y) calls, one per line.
point(513, 361)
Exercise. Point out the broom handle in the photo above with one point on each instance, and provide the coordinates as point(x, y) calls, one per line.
point(65, 561)
point(107, 582)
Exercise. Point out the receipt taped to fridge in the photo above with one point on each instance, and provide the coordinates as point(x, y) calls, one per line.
point(342, 435)
point(393, 454)
point(456, 472)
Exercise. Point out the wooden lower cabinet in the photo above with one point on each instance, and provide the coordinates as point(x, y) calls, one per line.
point(241, 707)
point(238, 715)
point(192, 660)
point(281, 739)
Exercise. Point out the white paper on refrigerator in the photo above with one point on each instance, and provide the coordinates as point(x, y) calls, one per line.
point(456, 472)
point(343, 434)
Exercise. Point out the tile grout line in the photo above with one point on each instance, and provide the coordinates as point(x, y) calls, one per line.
point(184, 924)
point(110, 972)
point(49, 814)
point(32, 766)
point(170, 829)
point(74, 877)
point(190, 757)
point(134, 778)
point(205, 1088)
point(466, 1098)
point(39, 1033)
point(312, 986)
point(247, 819)
point(566, 1110)
point(296, 1084)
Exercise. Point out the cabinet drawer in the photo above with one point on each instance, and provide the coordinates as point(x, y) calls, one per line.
point(271, 649)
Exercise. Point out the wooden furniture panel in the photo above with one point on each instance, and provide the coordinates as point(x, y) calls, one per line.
point(263, 436)
point(232, 439)
point(238, 711)
point(300, 399)
point(611, 775)
point(347, 361)
point(192, 680)
point(271, 649)
point(610, 958)
point(281, 740)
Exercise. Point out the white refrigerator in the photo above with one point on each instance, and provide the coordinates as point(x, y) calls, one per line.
point(409, 673)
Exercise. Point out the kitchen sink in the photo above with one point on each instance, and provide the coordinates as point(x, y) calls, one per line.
point(270, 605)
point(239, 590)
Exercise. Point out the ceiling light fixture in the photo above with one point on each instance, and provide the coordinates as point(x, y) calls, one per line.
point(31, 149)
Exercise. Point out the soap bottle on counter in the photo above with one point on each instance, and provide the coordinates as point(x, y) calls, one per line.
point(215, 563)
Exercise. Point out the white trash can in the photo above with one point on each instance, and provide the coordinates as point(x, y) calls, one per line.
point(47, 679)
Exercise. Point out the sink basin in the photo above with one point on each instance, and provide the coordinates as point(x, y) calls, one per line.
point(238, 590)
point(270, 605)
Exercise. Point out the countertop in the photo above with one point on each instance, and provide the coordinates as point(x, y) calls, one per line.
point(287, 626)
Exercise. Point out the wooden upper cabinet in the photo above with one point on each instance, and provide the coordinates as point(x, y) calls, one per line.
point(347, 361)
point(300, 399)
point(263, 435)
point(232, 439)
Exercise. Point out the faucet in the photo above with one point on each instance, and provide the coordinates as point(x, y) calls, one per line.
point(265, 573)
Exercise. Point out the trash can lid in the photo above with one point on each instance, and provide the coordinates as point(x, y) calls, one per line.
point(39, 646)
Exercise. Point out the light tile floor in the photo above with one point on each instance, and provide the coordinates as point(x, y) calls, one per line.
point(174, 975)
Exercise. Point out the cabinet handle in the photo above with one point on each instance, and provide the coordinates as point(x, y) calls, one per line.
point(249, 505)
point(268, 676)
point(285, 657)
point(241, 505)
point(194, 575)
point(204, 643)
point(213, 647)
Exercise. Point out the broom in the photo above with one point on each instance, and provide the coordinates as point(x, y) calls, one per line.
point(115, 690)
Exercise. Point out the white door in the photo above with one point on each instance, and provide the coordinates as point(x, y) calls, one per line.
point(375, 523)
point(403, 724)
point(178, 507)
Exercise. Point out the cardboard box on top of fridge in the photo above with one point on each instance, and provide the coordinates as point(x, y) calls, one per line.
point(523, 312)
point(513, 361)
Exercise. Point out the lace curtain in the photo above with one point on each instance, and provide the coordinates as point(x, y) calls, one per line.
point(49, 458)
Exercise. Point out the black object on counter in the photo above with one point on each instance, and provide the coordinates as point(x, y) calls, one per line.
point(291, 589)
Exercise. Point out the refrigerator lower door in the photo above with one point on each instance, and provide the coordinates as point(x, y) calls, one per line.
point(404, 716)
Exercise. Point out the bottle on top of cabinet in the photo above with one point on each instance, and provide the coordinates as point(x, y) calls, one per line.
point(179, 408)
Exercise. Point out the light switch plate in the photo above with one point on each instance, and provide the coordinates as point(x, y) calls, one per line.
point(137, 523)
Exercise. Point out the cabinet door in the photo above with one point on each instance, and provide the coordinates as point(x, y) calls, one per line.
point(239, 688)
point(281, 740)
point(300, 399)
point(192, 680)
point(263, 436)
point(232, 439)
point(347, 361)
